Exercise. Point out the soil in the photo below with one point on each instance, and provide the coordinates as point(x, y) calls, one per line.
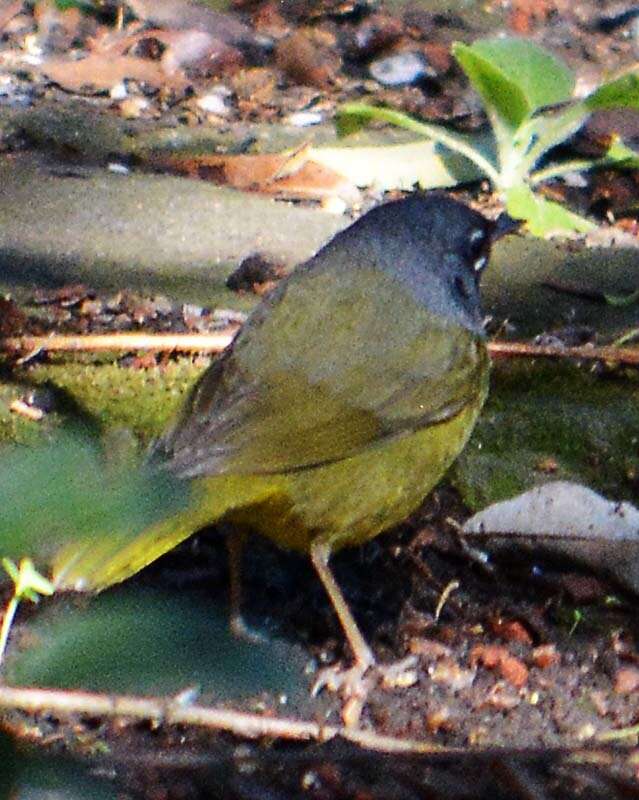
point(527, 662)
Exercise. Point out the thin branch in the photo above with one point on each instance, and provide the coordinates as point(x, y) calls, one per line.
point(171, 712)
point(216, 342)
point(618, 355)
point(118, 342)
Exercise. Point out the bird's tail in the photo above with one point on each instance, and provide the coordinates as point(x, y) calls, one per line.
point(96, 564)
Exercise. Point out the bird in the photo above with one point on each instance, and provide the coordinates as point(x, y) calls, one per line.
point(342, 401)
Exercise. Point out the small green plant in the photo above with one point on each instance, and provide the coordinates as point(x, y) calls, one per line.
point(527, 94)
point(28, 584)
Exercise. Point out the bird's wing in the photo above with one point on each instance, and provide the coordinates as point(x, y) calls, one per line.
point(307, 384)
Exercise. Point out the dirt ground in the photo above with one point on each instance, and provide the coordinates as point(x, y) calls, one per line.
point(518, 668)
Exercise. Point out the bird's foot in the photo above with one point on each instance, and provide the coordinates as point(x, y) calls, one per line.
point(355, 683)
point(242, 631)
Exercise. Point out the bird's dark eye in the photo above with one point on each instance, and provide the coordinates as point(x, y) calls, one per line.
point(460, 287)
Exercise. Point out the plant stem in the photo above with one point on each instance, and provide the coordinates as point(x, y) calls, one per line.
point(577, 165)
point(7, 622)
point(626, 337)
point(435, 132)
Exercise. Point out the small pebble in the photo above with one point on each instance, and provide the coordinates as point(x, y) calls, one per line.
point(119, 91)
point(213, 103)
point(401, 69)
point(133, 107)
point(118, 169)
point(303, 119)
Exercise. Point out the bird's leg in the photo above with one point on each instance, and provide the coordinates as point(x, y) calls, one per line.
point(235, 541)
point(354, 683)
point(320, 555)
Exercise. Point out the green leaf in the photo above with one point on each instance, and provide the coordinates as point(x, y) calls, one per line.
point(620, 93)
point(150, 641)
point(64, 490)
point(399, 166)
point(550, 129)
point(83, 5)
point(352, 116)
point(542, 216)
point(622, 155)
point(622, 300)
point(514, 76)
point(499, 94)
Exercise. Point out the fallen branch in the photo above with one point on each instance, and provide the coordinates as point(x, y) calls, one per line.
point(172, 711)
point(119, 342)
point(617, 355)
point(216, 342)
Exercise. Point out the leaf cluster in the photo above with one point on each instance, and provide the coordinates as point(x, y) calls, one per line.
point(527, 94)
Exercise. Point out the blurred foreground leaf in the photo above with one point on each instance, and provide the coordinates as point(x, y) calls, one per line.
point(8, 771)
point(61, 491)
point(136, 640)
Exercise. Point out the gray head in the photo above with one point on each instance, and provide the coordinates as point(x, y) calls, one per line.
point(435, 245)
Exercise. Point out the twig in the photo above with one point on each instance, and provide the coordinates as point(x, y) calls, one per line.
point(618, 355)
point(216, 342)
point(118, 342)
point(171, 712)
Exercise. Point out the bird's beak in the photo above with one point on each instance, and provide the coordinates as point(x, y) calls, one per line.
point(505, 225)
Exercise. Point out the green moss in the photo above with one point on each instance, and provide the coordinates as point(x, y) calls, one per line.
point(547, 421)
point(101, 395)
point(538, 415)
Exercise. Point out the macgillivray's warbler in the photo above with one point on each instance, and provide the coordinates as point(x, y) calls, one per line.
point(338, 406)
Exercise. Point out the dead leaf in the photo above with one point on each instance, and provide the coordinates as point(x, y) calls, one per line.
point(545, 656)
point(511, 631)
point(12, 318)
point(98, 73)
point(566, 519)
point(190, 47)
point(627, 680)
point(291, 175)
point(494, 656)
point(8, 12)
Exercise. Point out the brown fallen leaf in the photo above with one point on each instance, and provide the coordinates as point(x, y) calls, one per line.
point(493, 656)
point(191, 47)
point(545, 656)
point(8, 11)
point(182, 48)
point(12, 318)
point(511, 631)
point(627, 680)
point(98, 73)
point(291, 175)
point(514, 671)
point(565, 519)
